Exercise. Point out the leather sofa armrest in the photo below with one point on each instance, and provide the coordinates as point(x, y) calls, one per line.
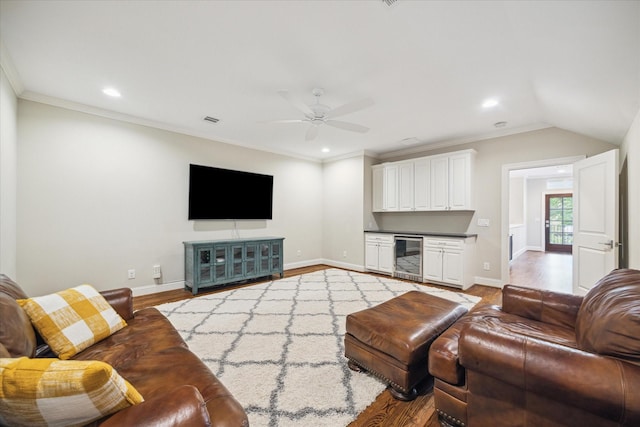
point(121, 300)
point(544, 306)
point(182, 406)
point(601, 385)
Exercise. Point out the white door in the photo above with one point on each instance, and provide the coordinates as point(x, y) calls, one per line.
point(452, 267)
point(385, 257)
point(432, 264)
point(371, 256)
point(460, 181)
point(595, 219)
point(391, 188)
point(440, 183)
point(421, 184)
point(378, 191)
point(405, 186)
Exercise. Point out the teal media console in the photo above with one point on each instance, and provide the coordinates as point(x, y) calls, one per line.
point(214, 263)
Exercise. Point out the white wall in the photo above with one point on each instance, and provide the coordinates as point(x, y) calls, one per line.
point(550, 143)
point(8, 175)
point(536, 192)
point(343, 201)
point(97, 197)
point(517, 200)
point(630, 150)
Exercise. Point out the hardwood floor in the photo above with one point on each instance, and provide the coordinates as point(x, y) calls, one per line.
point(551, 271)
point(385, 411)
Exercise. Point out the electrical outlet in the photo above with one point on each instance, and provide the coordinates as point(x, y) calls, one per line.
point(157, 273)
point(483, 222)
point(344, 254)
point(299, 253)
point(131, 274)
point(486, 266)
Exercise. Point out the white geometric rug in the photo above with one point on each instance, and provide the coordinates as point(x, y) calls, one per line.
point(278, 346)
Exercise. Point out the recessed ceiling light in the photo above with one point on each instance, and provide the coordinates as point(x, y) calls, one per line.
point(113, 92)
point(326, 150)
point(490, 103)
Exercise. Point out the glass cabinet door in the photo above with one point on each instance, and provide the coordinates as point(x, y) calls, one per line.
point(237, 257)
point(205, 269)
point(265, 252)
point(220, 262)
point(251, 266)
point(275, 256)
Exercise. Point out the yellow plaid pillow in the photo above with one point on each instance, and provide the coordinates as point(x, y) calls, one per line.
point(73, 319)
point(35, 392)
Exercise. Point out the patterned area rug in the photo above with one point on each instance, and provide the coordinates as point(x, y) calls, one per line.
point(278, 346)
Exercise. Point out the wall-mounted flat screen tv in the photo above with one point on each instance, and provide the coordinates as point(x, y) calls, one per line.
point(216, 193)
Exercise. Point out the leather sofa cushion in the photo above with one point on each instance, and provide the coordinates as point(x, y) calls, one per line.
point(443, 356)
point(16, 332)
point(609, 319)
point(147, 333)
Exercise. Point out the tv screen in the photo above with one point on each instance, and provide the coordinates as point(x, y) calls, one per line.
point(216, 193)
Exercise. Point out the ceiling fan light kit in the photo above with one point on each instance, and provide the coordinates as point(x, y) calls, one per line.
point(318, 114)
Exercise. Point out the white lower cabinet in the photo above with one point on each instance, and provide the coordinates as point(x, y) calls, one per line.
point(448, 261)
point(379, 252)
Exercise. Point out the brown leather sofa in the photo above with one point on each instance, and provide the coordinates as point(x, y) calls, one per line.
point(178, 388)
point(544, 359)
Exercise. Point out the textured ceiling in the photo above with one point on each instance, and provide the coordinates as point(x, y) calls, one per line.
point(427, 65)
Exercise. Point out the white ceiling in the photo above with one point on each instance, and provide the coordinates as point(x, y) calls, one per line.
point(428, 66)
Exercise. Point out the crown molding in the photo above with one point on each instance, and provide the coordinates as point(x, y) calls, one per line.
point(428, 146)
point(6, 63)
point(83, 108)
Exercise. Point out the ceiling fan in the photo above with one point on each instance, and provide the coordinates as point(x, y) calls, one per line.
point(318, 114)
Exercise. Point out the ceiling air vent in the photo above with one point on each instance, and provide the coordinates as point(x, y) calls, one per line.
point(211, 119)
point(389, 2)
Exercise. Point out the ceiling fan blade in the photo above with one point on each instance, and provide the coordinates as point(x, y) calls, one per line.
point(311, 133)
point(287, 121)
point(350, 107)
point(296, 102)
point(347, 126)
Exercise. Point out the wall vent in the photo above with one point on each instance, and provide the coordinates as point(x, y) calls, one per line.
point(389, 2)
point(211, 119)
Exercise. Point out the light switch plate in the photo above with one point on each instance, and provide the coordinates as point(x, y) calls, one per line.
point(483, 222)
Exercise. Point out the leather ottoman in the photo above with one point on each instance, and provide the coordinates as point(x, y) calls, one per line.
point(392, 339)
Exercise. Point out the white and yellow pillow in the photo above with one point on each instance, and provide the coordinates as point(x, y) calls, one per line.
point(73, 319)
point(36, 392)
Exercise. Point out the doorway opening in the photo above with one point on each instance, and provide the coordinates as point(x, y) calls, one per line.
point(527, 259)
point(558, 222)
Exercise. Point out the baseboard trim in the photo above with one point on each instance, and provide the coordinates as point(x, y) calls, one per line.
point(345, 265)
point(154, 289)
point(485, 281)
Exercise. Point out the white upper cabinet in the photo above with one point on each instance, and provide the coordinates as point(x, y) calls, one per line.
point(405, 186)
point(452, 181)
point(378, 188)
point(421, 184)
point(442, 182)
point(390, 188)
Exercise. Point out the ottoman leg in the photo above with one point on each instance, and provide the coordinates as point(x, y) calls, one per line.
point(354, 366)
point(401, 395)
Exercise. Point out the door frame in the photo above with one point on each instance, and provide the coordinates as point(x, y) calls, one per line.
point(504, 226)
